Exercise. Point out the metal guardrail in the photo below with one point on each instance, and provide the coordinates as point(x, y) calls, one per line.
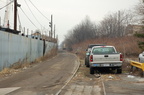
point(138, 65)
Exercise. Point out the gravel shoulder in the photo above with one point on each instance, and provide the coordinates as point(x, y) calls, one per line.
point(84, 83)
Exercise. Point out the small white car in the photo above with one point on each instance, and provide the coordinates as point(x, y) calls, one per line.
point(141, 57)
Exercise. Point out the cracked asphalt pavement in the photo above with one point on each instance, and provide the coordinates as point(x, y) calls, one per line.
point(45, 78)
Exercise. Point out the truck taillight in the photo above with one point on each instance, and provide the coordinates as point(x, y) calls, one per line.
point(91, 58)
point(121, 57)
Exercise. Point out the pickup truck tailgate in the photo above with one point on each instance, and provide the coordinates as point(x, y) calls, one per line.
point(106, 58)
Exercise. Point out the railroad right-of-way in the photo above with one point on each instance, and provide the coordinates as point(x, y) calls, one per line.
point(65, 74)
point(106, 82)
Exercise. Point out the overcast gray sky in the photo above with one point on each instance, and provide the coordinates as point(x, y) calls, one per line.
point(66, 13)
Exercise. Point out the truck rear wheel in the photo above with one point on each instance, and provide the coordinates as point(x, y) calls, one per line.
point(119, 70)
point(87, 64)
point(91, 70)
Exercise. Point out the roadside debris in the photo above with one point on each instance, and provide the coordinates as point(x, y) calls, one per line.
point(130, 76)
point(110, 77)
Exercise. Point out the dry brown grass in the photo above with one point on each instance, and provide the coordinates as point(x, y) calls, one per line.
point(49, 55)
point(128, 46)
point(17, 67)
point(5, 71)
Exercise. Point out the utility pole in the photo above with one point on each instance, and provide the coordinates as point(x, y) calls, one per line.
point(119, 24)
point(51, 26)
point(15, 14)
point(0, 22)
point(54, 31)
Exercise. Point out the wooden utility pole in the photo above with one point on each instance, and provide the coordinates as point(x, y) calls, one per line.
point(0, 21)
point(54, 31)
point(51, 26)
point(15, 15)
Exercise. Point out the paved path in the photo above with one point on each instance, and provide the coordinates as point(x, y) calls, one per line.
point(45, 78)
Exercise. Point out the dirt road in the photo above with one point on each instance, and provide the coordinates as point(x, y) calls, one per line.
point(45, 78)
point(106, 83)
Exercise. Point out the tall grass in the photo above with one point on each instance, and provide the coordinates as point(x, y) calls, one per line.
point(128, 46)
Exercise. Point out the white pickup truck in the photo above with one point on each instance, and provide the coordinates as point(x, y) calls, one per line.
point(105, 57)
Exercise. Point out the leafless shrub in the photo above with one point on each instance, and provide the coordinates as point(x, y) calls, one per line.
point(126, 45)
point(81, 32)
point(139, 9)
point(113, 26)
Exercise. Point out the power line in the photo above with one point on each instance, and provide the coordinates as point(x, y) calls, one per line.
point(39, 11)
point(2, 1)
point(32, 13)
point(6, 5)
point(28, 17)
point(20, 23)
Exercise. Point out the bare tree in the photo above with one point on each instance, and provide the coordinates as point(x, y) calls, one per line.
point(114, 25)
point(84, 31)
point(140, 10)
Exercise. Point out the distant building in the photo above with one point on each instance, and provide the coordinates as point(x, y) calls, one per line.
point(37, 34)
point(133, 29)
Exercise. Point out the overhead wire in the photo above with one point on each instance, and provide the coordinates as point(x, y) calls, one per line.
point(27, 17)
point(20, 23)
point(6, 5)
point(5, 16)
point(2, 1)
point(39, 11)
point(26, 14)
point(32, 13)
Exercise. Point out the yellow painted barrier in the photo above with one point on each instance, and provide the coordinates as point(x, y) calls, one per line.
point(138, 65)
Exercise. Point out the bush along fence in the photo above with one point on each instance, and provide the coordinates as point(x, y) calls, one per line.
point(17, 48)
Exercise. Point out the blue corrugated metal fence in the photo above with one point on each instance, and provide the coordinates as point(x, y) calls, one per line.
point(17, 48)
